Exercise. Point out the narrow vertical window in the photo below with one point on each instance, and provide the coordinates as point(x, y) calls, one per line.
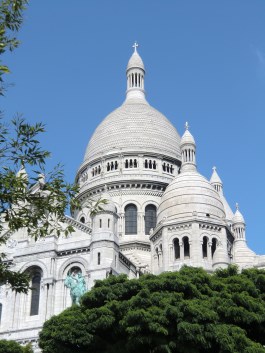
point(204, 247)
point(1, 309)
point(99, 258)
point(176, 249)
point(108, 223)
point(186, 247)
point(150, 218)
point(214, 243)
point(35, 294)
point(130, 219)
point(100, 223)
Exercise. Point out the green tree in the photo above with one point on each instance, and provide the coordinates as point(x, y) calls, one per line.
point(14, 347)
point(189, 311)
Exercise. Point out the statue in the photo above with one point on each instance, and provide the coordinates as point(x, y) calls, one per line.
point(76, 282)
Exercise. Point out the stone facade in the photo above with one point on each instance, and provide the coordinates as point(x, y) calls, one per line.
point(161, 214)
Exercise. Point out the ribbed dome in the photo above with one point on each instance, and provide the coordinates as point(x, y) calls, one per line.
point(134, 127)
point(189, 194)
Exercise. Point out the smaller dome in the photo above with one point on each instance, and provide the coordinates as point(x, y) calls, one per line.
point(190, 194)
point(187, 137)
point(215, 179)
point(135, 62)
point(238, 218)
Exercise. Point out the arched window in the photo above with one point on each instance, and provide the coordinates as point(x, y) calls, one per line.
point(126, 163)
point(82, 220)
point(130, 219)
point(146, 163)
point(150, 218)
point(154, 165)
point(186, 245)
point(108, 167)
point(116, 165)
point(150, 164)
point(35, 293)
point(135, 163)
point(204, 247)
point(214, 244)
point(177, 249)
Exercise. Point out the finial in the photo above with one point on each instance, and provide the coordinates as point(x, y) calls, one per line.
point(135, 46)
point(237, 206)
point(187, 125)
point(214, 169)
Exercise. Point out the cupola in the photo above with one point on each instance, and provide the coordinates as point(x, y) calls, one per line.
point(135, 76)
point(239, 225)
point(188, 151)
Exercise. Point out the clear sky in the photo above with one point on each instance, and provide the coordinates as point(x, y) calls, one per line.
point(205, 64)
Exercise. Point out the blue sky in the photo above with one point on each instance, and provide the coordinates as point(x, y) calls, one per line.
point(205, 63)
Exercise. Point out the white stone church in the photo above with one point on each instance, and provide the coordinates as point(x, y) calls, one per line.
point(161, 214)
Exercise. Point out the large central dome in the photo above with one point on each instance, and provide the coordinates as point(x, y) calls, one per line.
point(135, 126)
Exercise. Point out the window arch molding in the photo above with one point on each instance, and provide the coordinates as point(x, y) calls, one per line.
point(35, 263)
point(149, 202)
point(134, 202)
point(72, 262)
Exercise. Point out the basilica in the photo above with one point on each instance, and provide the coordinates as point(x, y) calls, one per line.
point(160, 214)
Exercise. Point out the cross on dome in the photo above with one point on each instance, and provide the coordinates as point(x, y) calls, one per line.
point(214, 169)
point(187, 125)
point(237, 206)
point(135, 46)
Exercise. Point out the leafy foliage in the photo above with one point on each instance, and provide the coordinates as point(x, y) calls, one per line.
point(14, 347)
point(188, 311)
point(35, 202)
point(11, 18)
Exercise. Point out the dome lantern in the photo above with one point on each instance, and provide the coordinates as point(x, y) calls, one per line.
point(216, 181)
point(188, 149)
point(135, 76)
point(239, 225)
